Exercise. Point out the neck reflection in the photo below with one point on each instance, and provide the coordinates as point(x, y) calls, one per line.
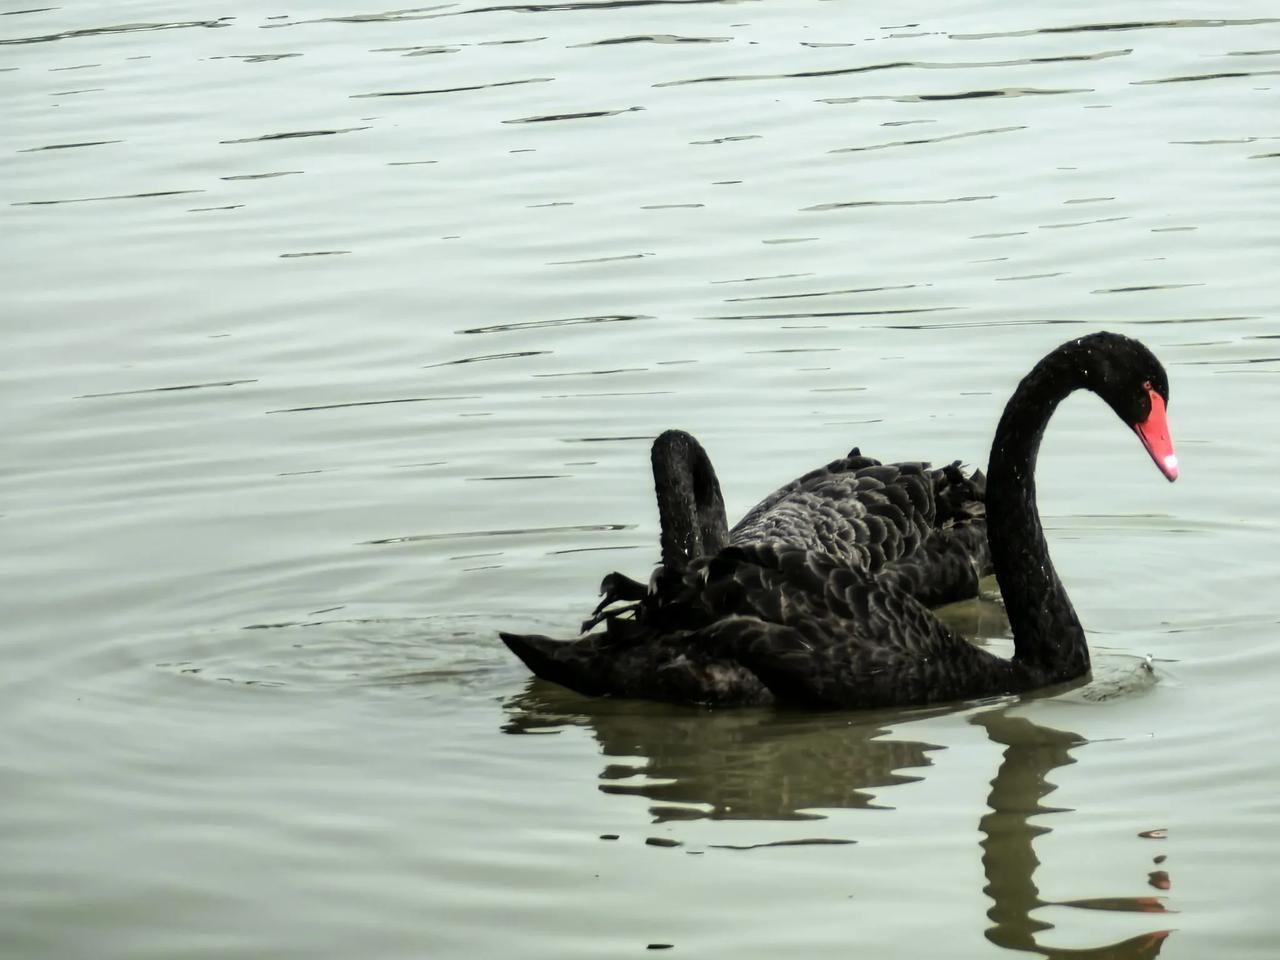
point(1008, 858)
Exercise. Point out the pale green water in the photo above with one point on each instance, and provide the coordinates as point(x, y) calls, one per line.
point(312, 389)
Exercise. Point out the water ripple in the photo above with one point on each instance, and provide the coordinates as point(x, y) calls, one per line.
point(1006, 92)
point(122, 196)
point(665, 38)
point(1118, 27)
point(566, 322)
point(510, 532)
point(121, 28)
point(475, 86)
point(296, 135)
point(182, 386)
point(370, 403)
point(896, 203)
point(923, 140)
point(583, 115)
point(1224, 75)
point(896, 311)
point(902, 64)
point(70, 146)
point(513, 355)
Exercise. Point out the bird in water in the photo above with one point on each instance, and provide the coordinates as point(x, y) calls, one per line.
point(819, 597)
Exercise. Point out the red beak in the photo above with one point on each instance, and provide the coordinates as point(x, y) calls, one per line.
point(1154, 434)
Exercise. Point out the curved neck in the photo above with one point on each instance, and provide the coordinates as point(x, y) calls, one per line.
point(690, 506)
point(1047, 635)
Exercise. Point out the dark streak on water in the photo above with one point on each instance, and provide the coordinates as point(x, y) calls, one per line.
point(370, 403)
point(181, 386)
point(530, 531)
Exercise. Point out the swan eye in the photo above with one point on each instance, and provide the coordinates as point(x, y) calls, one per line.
point(1146, 385)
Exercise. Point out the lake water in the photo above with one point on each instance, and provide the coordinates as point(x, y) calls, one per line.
point(334, 341)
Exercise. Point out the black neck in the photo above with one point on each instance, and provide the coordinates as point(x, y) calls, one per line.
point(690, 506)
point(1047, 635)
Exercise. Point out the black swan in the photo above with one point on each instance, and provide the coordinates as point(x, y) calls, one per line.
point(808, 622)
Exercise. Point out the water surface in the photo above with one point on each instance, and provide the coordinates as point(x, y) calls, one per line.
point(335, 341)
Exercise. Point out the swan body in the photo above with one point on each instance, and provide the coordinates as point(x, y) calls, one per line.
point(819, 597)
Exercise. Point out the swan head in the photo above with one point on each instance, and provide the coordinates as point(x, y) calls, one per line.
point(1127, 375)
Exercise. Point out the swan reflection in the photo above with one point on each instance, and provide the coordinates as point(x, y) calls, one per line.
point(771, 765)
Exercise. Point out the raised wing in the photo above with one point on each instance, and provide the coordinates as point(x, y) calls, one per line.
point(921, 527)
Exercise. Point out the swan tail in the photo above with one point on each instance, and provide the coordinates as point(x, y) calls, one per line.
point(570, 663)
point(631, 660)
